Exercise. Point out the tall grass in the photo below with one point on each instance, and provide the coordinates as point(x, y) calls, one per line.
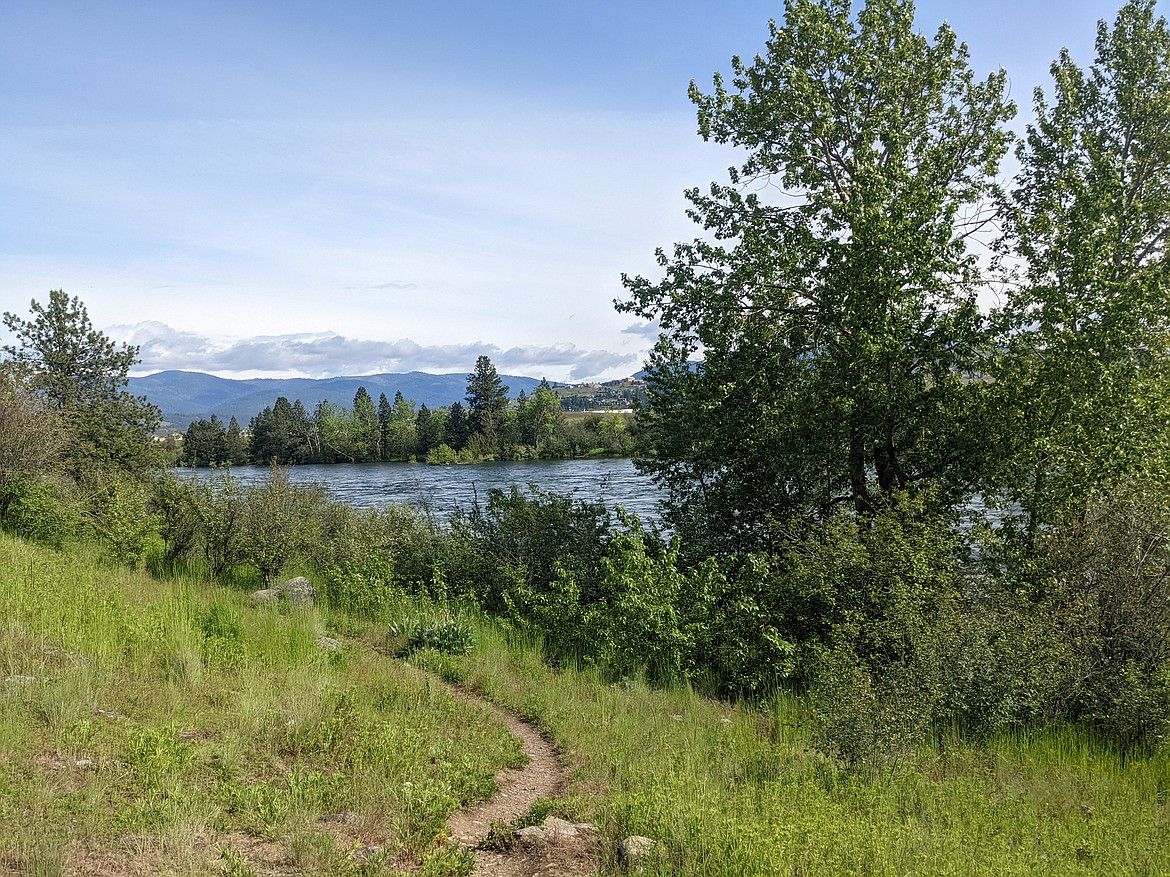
point(149, 726)
point(728, 789)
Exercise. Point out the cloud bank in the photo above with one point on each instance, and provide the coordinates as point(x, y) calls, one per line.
point(326, 354)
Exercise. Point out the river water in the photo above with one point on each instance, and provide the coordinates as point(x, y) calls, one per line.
point(442, 489)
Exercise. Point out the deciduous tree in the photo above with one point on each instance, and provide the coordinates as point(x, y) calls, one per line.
point(832, 300)
point(1087, 381)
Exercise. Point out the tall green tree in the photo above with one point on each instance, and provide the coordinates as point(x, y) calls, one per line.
point(385, 414)
point(366, 437)
point(205, 443)
point(428, 430)
point(401, 434)
point(280, 433)
point(487, 400)
point(457, 428)
point(235, 444)
point(1087, 380)
point(83, 374)
point(831, 304)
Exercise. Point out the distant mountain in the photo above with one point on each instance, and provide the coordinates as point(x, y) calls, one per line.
point(188, 396)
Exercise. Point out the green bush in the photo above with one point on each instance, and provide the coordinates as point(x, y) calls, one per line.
point(33, 510)
point(444, 634)
point(1103, 575)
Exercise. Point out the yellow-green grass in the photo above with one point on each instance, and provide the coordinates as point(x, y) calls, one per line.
point(728, 789)
point(173, 728)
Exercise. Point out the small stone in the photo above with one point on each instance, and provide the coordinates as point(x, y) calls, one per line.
point(345, 818)
point(265, 595)
point(328, 643)
point(367, 853)
point(677, 718)
point(532, 836)
point(633, 851)
point(84, 763)
point(20, 680)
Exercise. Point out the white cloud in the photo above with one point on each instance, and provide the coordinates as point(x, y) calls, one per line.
point(327, 354)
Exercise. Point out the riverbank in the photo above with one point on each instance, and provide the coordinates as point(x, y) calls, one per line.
point(146, 724)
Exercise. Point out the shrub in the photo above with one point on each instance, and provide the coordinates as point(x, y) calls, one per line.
point(444, 634)
point(1104, 576)
point(123, 520)
point(33, 510)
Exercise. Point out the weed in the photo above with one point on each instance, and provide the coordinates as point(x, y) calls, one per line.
point(447, 861)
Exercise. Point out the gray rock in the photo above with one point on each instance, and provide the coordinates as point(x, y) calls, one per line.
point(552, 831)
point(345, 818)
point(298, 591)
point(328, 643)
point(365, 854)
point(531, 836)
point(20, 680)
point(84, 763)
point(633, 851)
point(266, 595)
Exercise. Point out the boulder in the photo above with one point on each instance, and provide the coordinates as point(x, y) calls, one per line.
point(328, 643)
point(633, 851)
point(298, 591)
point(554, 830)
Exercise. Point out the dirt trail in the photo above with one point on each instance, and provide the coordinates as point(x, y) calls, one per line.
point(544, 776)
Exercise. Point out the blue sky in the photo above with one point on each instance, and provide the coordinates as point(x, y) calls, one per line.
point(311, 188)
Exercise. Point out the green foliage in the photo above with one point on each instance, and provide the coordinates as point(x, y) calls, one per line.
point(836, 323)
point(277, 523)
point(870, 720)
point(34, 510)
point(33, 434)
point(157, 755)
point(81, 373)
point(522, 538)
point(217, 508)
point(443, 455)
point(487, 402)
point(123, 521)
point(173, 506)
point(447, 861)
point(443, 633)
point(1104, 577)
point(1086, 385)
point(280, 434)
point(223, 636)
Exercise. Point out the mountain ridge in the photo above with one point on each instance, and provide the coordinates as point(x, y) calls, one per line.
point(186, 396)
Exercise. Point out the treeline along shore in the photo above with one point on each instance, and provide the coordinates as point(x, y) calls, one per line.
point(815, 666)
point(490, 426)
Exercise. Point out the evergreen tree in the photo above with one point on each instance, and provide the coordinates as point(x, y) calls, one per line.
point(80, 372)
point(428, 433)
point(385, 415)
point(487, 400)
point(236, 444)
point(457, 428)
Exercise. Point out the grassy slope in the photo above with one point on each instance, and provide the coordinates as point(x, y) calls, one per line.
point(232, 732)
point(728, 790)
point(171, 728)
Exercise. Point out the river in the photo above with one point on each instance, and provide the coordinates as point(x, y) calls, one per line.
point(442, 489)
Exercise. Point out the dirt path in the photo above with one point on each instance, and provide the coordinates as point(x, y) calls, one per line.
point(543, 777)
